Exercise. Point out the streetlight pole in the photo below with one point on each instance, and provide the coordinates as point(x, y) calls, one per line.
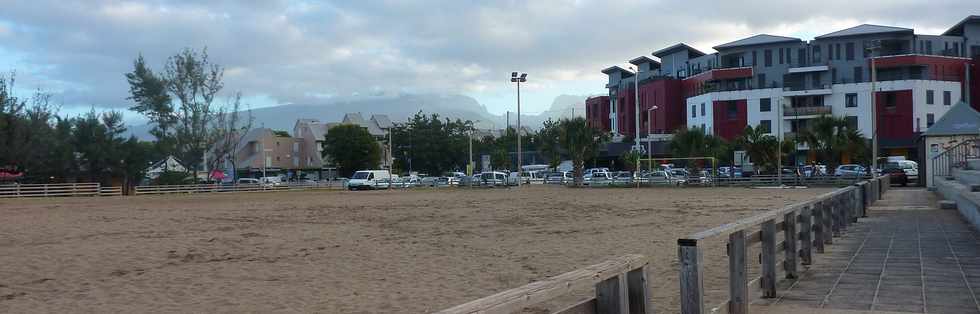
point(518, 79)
point(874, 109)
point(780, 135)
point(649, 136)
point(636, 104)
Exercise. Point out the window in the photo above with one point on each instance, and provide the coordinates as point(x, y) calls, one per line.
point(801, 56)
point(754, 53)
point(815, 78)
point(890, 100)
point(851, 100)
point(702, 109)
point(930, 98)
point(833, 76)
point(789, 55)
point(732, 110)
point(781, 58)
point(858, 75)
point(765, 126)
point(768, 57)
point(930, 120)
point(956, 49)
point(816, 53)
point(830, 52)
point(947, 98)
point(837, 51)
point(928, 47)
point(765, 105)
point(762, 80)
point(694, 111)
point(852, 122)
point(849, 51)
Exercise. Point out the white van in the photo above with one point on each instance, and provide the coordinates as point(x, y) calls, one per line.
point(369, 179)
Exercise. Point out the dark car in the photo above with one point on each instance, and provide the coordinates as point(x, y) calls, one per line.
point(896, 175)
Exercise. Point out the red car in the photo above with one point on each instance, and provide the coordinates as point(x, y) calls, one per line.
point(896, 176)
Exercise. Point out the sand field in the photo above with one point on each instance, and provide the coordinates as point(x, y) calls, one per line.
point(346, 252)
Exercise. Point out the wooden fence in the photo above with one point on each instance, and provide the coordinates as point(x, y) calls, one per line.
point(772, 180)
point(787, 238)
point(620, 287)
point(49, 190)
point(221, 188)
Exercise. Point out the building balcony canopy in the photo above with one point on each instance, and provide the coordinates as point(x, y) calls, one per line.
point(723, 74)
point(816, 68)
point(806, 111)
point(907, 60)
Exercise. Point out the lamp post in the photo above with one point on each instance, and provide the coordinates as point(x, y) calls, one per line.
point(650, 136)
point(875, 45)
point(636, 110)
point(518, 79)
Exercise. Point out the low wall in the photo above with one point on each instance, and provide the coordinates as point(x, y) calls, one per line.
point(967, 202)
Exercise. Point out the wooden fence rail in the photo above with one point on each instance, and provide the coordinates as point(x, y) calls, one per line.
point(49, 190)
point(620, 288)
point(216, 188)
point(787, 237)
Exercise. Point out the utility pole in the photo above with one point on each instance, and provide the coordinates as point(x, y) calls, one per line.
point(779, 135)
point(874, 110)
point(518, 79)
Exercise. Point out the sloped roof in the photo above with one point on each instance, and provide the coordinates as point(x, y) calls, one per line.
point(356, 118)
point(692, 53)
point(864, 29)
point(760, 39)
point(959, 120)
point(957, 30)
point(382, 121)
point(644, 59)
point(616, 68)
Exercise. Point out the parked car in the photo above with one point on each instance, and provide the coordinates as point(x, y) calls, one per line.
point(896, 175)
point(369, 179)
point(910, 168)
point(597, 178)
point(680, 176)
point(561, 177)
point(623, 177)
point(658, 178)
point(248, 181)
point(495, 178)
point(850, 170)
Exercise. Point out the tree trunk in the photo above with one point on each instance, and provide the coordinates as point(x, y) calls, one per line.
point(577, 165)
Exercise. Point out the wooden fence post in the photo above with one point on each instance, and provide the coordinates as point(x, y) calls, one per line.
point(737, 274)
point(610, 295)
point(818, 229)
point(828, 234)
point(691, 279)
point(638, 291)
point(834, 216)
point(789, 244)
point(806, 235)
point(768, 251)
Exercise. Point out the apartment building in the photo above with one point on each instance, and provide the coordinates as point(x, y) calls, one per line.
point(781, 83)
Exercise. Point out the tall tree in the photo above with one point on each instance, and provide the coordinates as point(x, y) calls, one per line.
point(760, 147)
point(830, 137)
point(230, 128)
point(581, 141)
point(694, 142)
point(351, 148)
point(149, 92)
point(549, 142)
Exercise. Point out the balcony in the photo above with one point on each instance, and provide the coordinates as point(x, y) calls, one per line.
point(806, 111)
point(816, 68)
point(790, 90)
point(723, 74)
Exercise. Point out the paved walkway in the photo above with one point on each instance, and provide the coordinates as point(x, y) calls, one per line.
point(907, 256)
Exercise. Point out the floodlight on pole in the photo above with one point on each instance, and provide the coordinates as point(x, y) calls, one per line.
point(518, 79)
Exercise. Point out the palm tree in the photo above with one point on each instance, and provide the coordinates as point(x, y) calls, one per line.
point(760, 146)
point(694, 142)
point(581, 141)
point(829, 137)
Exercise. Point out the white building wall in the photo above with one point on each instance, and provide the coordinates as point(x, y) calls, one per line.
point(752, 97)
point(919, 107)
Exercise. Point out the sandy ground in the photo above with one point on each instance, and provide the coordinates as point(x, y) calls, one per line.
point(346, 252)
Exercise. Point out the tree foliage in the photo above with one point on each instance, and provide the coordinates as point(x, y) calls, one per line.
point(831, 137)
point(432, 144)
point(549, 142)
point(761, 148)
point(694, 142)
point(351, 148)
point(581, 141)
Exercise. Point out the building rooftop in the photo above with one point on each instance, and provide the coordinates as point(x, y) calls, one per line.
point(959, 120)
point(692, 53)
point(865, 29)
point(616, 68)
point(644, 59)
point(957, 30)
point(760, 39)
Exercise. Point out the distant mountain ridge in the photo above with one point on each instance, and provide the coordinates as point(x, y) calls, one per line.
point(400, 108)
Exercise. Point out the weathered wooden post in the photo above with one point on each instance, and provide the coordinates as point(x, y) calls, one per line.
point(638, 291)
point(818, 228)
point(737, 274)
point(806, 238)
point(768, 280)
point(789, 244)
point(828, 234)
point(610, 295)
point(834, 208)
point(691, 279)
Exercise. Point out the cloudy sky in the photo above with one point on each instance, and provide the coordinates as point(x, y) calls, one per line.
point(312, 52)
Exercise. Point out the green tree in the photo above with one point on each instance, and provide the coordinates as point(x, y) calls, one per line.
point(351, 148)
point(629, 159)
point(432, 144)
point(694, 142)
point(549, 142)
point(830, 137)
point(581, 141)
point(760, 147)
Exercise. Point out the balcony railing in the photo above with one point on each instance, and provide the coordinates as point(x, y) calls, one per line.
point(800, 87)
point(806, 111)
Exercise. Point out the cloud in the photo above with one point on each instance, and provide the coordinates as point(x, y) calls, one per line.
point(308, 51)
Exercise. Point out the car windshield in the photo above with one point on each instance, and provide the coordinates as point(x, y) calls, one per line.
point(361, 175)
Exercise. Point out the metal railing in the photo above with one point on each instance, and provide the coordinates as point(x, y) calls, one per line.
point(804, 111)
point(954, 157)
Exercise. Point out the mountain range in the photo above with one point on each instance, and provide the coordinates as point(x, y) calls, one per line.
point(402, 107)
